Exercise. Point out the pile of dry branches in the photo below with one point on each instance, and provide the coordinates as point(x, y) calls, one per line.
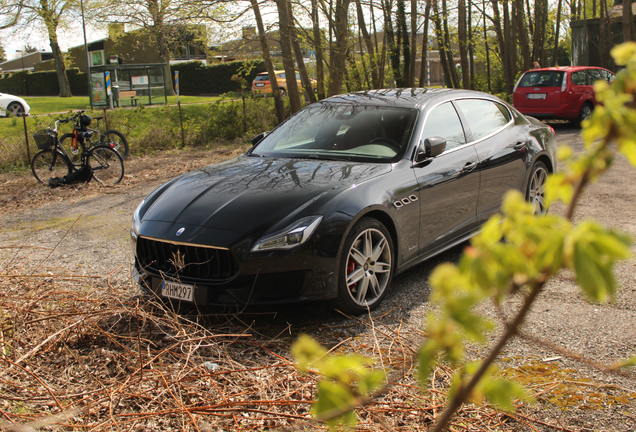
point(86, 352)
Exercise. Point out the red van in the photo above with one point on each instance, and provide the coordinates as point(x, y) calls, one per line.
point(559, 92)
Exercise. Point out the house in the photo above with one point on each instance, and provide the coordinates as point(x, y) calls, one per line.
point(27, 62)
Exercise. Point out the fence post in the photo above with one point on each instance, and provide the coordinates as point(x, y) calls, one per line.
point(244, 115)
point(181, 122)
point(26, 138)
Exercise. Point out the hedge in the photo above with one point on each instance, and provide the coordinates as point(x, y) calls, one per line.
point(43, 83)
point(195, 78)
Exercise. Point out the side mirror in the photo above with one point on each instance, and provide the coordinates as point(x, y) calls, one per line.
point(258, 138)
point(432, 147)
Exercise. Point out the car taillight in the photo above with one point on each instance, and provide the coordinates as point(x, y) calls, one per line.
point(565, 81)
point(268, 82)
point(551, 130)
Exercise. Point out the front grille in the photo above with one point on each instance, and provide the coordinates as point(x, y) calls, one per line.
point(184, 260)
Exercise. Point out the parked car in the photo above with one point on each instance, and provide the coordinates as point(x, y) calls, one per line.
point(338, 199)
point(15, 105)
point(262, 83)
point(560, 92)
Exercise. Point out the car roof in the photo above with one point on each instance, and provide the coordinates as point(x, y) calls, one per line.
point(406, 97)
point(566, 68)
point(276, 72)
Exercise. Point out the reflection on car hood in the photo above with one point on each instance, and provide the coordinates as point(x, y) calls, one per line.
point(247, 192)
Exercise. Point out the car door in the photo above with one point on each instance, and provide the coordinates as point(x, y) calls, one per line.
point(501, 148)
point(448, 184)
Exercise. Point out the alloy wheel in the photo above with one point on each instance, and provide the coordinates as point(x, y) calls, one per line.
point(368, 269)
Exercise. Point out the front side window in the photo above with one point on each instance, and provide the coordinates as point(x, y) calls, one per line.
point(347, 132)
point(484, 117)
point(444, 122)
point(542, 79)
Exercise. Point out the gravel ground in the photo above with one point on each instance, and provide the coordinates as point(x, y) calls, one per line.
point(82, 231)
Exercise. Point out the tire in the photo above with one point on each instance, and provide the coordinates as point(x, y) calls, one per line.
point(107, 165)
point(586, 112)
point(536, 188)
point(66, 141)
point(115, 140)
point(50, 163)
point(366, 267)
point(15, 108)
point(282, 92)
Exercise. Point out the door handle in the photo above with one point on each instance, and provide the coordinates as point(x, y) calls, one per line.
point(469, 167)
point(519, 146)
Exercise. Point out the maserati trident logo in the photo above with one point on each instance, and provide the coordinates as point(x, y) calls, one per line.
point(178, 261)
point(180, 231)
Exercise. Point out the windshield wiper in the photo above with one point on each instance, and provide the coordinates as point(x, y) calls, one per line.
point(329, 157)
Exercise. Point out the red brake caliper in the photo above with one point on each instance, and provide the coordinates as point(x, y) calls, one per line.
point(351, 266)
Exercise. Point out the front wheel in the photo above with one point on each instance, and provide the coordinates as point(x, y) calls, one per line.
point(536, 188)
point(366, 267)
point(115, 140)
point(50, 163)
point(107, 165)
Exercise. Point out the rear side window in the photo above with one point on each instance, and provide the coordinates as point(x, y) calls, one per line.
point(579, 78)
point(444, 122)
point(542, 79)
point(484, 117)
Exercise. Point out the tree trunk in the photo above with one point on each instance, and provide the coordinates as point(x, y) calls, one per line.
point(288, 57)
point(393, 48)
point(447, 44)
point(440, 43)
point(320, 73)
point(278, 101)
point(556, 37)
point(523, 35)
point(403, 43)
point(58, 57)
point(483, 3)
point(411, 82)
point(340, 50)
point(510, 57)
point(369, 45)
point(502, 45)
point(628, 21)
point(463, 43)
point(300, 61)
point(471, 44)
point(424, 68)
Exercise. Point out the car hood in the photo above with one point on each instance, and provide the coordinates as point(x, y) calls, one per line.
point(246, 193)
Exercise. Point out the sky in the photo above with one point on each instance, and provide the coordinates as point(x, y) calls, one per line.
point(38, 39)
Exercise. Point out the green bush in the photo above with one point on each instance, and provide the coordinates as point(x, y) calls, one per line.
point(43, 83)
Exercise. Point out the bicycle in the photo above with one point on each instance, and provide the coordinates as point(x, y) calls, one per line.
point(53, 161)
point(110, 137)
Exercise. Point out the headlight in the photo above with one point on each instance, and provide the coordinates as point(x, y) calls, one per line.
point(291, 237)
point(136, 218)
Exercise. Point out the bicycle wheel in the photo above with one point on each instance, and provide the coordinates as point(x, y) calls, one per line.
point(67, 140)
point(115, 140)
point(107, 165)
point(50, 163)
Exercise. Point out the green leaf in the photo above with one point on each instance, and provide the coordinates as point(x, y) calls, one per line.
point(333, 397)
point(503, 393)
point(306, 350)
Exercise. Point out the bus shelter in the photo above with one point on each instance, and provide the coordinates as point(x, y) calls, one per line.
point(131, 85)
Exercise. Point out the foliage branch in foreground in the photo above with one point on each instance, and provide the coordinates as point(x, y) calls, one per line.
point(516, 254)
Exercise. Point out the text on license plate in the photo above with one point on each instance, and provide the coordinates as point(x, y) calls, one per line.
point(176, 290)
point(536, 96)
point(260, 85)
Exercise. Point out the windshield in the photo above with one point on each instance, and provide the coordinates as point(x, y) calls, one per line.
point(347, 132)
point(542, 79)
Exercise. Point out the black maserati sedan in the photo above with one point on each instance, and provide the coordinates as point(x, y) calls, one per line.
point(338, 199)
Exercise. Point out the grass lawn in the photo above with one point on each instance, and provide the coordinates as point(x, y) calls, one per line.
point(54, 104)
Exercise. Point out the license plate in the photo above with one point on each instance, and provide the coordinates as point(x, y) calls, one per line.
point(260, 85)
point(178, 291)
point(536, 96)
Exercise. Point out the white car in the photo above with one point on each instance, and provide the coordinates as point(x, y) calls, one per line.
point(10, 104)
